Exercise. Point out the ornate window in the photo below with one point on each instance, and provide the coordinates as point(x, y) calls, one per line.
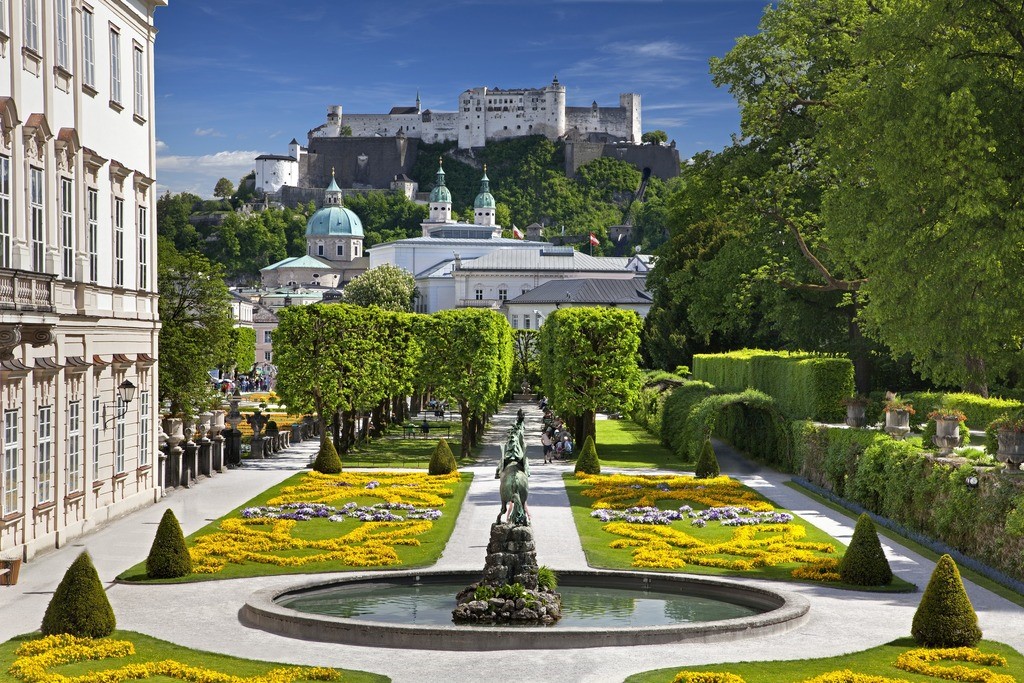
point(92, 230)
point(67, 228)
point(140, 81)
point(11, 462)
point(143, 428)
point(515, 321)
point(96, 438)
point(503, 294)
point(74, 447)
point(115, 66)
point(119, 429)
point(479, 294)
point(63, 37)
point(118, 242)
point(31, 12)
point(5, 212)
point(143, 248)
point(35, 217)
point(44, 456)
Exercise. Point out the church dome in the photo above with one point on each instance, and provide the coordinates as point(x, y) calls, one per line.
point(440, 193)
point(484, 200)
point(334, 220)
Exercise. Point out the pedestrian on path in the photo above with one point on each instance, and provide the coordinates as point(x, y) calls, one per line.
point(545, 441)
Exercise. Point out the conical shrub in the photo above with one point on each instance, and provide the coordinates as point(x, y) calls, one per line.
point(588, 461)
point(327, 460)
point(945, 617)
point(864, 563)
point(80, 606)
point(442, 461)
point(168, 556)
point(707, 463)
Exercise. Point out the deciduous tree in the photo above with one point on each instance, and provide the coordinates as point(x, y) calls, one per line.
point(387, 286)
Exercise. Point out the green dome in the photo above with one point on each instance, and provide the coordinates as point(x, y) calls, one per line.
point(484, 200)
point(334, 220)
point(440, 193)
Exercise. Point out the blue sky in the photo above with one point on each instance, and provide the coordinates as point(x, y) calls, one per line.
point(237, 78)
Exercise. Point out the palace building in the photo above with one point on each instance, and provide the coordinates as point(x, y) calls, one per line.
point(78, 285)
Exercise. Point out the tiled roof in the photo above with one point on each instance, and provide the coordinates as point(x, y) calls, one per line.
point(549, 258)
point(305, 261)
point(587, 291)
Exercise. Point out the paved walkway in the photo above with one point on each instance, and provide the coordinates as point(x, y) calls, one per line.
point(204, 615)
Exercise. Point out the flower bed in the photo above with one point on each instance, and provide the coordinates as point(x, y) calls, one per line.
point(722, 525)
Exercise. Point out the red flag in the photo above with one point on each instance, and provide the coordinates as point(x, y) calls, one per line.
point(594, 242)
point(517, 233)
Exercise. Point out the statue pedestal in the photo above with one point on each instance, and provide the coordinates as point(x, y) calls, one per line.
point(508, 592)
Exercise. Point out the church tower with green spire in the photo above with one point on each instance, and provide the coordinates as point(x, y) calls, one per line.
point(440, 199)
point(483, 205)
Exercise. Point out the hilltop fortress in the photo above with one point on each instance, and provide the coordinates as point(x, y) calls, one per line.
point(378, 151)
point(486, 114)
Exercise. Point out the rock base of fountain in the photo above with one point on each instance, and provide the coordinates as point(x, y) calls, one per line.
point(509, 591)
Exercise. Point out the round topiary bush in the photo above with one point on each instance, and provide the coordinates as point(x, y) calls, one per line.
point(588, 461)
point(80, 606)
point(864, 563)
point(945, 617)
point(442, 461)
point(707, 463)
point(168, 556)
point(327, 460)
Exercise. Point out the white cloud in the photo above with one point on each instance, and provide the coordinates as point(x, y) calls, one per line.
point(199, 174)
point(161, 146)
point(208, 132)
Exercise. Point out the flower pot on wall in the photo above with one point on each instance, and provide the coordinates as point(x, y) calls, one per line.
point(1011, 449)
point(947, 434)
point(855, 415)
point(897, 423)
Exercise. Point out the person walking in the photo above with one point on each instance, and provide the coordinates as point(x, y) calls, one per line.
point(545, 441)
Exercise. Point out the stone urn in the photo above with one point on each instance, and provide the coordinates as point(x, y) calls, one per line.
point(897, 423)
point(1011, 449)
point(217, 425)
point(173, 429)
point(856, 414)
point(947, 434)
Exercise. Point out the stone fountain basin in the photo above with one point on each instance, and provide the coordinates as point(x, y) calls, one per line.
point(781, 612)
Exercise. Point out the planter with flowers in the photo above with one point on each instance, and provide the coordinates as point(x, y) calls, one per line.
point(856, 411)
point(897, 417)
point(1010, 434)
point(947, 429)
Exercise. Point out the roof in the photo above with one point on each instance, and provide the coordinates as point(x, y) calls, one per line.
point(404, 110)
point(458, 241)
point(549, 258)
point(305, 261)
point(442, 269)
point(334, 220)
point(275, 157)
point(587, 291)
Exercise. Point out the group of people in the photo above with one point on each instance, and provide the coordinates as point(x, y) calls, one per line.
point(556, 439)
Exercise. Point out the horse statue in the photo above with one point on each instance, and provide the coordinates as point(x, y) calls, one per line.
point(514, 472)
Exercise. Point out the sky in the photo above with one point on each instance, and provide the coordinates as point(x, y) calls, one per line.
point(239, 78)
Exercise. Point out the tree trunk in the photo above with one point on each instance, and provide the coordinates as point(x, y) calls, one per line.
point(859, 356)
point(467, 443)
point(336, 433)
point(417, 402)
point(976, 382)
point(345, 440)
point(379, 419)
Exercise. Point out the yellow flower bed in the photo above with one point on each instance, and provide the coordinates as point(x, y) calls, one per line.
point(284, 421)
point(918, 662)
point(915, 661)
point(667, 547)
point(36, 657)
point(372, 544)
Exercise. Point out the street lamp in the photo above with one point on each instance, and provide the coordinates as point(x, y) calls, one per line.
point(125, 395)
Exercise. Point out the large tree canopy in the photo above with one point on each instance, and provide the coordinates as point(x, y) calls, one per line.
point(388, 286)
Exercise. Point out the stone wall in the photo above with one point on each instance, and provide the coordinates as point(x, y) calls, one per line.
point(662, 160)
point(358, 161)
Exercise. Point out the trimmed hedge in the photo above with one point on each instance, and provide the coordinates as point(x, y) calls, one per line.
point(80, 605)
point(864, 562)
point(751, 421)
point(587, 460)
point(894, 479)
point(946, 617)
point(168, 556)
point(805, 385)
point(649, 407)
point(675, 412)
point(442, 461)
point(980, 411)
point(327, 460)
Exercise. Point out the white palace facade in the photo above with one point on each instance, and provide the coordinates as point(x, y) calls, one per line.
point(78, 285)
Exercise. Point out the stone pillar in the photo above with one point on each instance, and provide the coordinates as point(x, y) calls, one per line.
point(296, 433)
point(172, 473)
point(205, 457)
point(190, 468)
point(233, 437)
point(216, 434)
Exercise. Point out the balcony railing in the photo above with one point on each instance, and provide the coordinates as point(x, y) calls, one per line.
point(24, 291)
point(478, 303)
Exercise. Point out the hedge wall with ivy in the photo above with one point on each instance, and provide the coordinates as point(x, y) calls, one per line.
point(649, 407)
point(980, 411)
point(893, 479)
point(676, 411)
point(806, 386)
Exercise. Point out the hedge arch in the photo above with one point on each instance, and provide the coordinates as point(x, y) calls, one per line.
point(750, 420)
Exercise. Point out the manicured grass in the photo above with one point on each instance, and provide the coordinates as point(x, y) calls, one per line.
point(149, 649)
point(395, 450)
point(599, 554)
point(431, 543)
point(967, 573)
point(878, 661)
point(625, 444)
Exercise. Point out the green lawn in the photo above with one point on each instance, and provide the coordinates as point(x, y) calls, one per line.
point(431, 543)
point(395, 450)
point(149, 649)
point(878, 661)
point(599, 554)
point(625, 444)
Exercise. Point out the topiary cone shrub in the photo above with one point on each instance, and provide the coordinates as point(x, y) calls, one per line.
point(864, 563)
point(707, 463)
point(945, 617)
point(443, 460)
point(80, 606)
point(168, 556)
point(327, 460)
point(588, 461)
